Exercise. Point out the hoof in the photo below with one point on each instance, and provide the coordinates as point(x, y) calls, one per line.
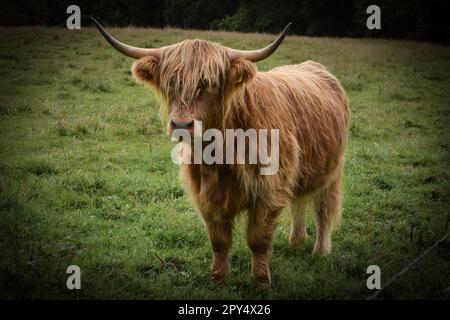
point(263, 281)
point(218, 279)
point(264, 284)
point(322, 250)
point(297, 242)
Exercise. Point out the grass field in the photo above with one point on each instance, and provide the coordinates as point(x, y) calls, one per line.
point(86, 175)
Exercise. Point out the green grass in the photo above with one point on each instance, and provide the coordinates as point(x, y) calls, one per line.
point(86, 175)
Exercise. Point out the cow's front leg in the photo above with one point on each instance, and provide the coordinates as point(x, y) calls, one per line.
point(261, 226)
point(221, 236)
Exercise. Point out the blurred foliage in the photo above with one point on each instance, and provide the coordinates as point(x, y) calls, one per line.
point(415, 19)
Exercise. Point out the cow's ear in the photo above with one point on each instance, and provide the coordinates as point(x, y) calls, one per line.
point(146, 69)
point(241, 71)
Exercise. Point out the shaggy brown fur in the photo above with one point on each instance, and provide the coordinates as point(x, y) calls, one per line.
point(197, 80)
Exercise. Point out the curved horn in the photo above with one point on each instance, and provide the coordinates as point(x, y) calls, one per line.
point(133, 52)
point(258, 55)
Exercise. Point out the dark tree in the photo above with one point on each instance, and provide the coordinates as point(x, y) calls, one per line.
point(414, 19)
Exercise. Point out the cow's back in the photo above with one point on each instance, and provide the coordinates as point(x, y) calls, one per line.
point(318, 118)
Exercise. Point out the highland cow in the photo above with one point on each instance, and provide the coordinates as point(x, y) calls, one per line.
point(201, 80)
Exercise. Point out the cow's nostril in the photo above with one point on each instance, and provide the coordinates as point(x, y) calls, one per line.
point(182, 124)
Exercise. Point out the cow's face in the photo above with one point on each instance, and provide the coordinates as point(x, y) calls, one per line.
point(196, 79)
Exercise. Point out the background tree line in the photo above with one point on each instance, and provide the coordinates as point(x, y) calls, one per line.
point(413, 19)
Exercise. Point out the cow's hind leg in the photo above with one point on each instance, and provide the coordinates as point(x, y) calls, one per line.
point(327, 214)
point(298, 228)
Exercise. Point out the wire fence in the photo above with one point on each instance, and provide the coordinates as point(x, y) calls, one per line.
point(405, 269)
